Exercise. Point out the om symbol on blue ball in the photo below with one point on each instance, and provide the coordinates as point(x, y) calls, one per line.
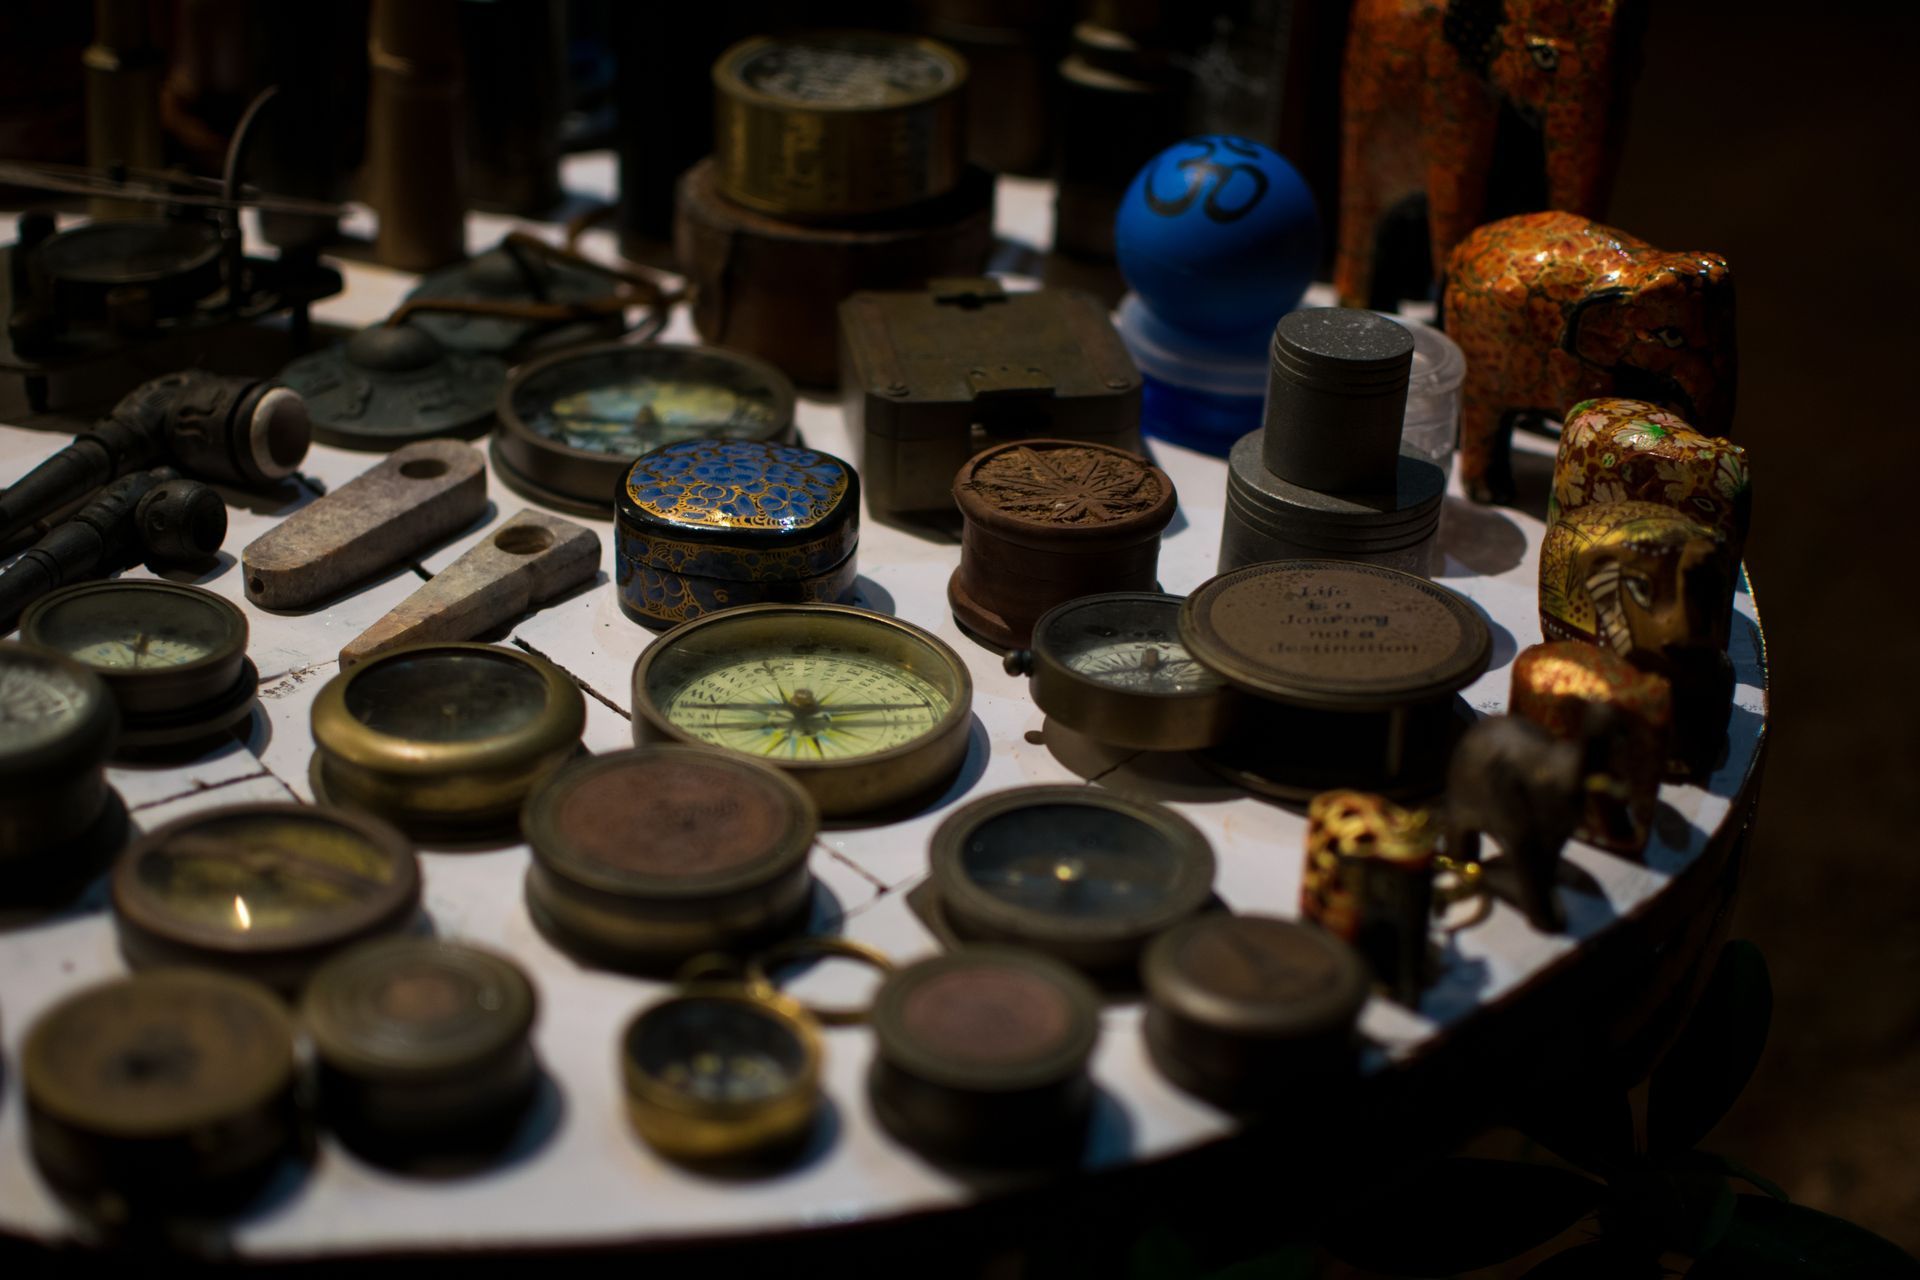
point(1204, 173)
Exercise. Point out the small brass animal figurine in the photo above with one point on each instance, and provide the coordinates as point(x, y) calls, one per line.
point(1553, 308)
point(1511, 780)
point(1423, 85)
point(1621, 716)
point(1368, 880)
point(1614, 450)
point(1656, 588)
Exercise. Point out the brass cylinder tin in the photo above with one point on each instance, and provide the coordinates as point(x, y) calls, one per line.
point(422, 1043)
point(847, 786)
point(166, 704)
point(1047, 849)
point(268, 891)
point(163, 1089)
point(981, 1056)
point(1101, 703)
point(764, 1037)
point(1245, 1010)
point(643, 859)
point(757, 397)
point(406, 735)
point(58, 723)
point(839, 123)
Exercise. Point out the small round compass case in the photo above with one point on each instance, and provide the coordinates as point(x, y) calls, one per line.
point(703, 525)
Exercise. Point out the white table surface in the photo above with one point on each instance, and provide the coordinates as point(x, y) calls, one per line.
point(585, 1177)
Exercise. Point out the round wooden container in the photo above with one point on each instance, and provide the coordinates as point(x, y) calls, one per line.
point(1048, 521)
point(770, 287)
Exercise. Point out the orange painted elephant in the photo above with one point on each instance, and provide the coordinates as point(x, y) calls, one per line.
point(1553, 308)
point(1422, 88)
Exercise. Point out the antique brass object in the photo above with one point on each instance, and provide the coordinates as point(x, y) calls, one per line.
point(174, 656)
point(643, 859)
point(572, 424)
point(761, 967)
point(1351, 670)
point(392, 384)
point(416, 172)
point(445, 739)
point(1247, 1011)
point(266, 891)
point(59, 818)
point(722, 1073)
point(1048, 521)
point(837, 124)
point(161, 1091)
point(702, 525)
point(423, 1045)
point(1080, 874)
point(769, 286)
point(513, 300)
point(1113, 667)
point(1368, 880)
point(930, 378)
point(864, 711)
point(981, 1056)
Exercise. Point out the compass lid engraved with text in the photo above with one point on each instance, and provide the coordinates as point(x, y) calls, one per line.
point(1336, 635)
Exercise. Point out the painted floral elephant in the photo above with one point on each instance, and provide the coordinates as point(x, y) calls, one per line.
point(1552, 309)
point(1422, 87)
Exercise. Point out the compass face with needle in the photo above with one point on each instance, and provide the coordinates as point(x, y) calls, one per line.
point(823, 704)
point(1152, 665)
point(864, 711)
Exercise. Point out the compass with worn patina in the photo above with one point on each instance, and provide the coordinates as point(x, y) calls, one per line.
point(1048, 521)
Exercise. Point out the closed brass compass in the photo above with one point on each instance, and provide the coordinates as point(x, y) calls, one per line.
point(1114, 668)
point(1080, 874)
point(423, 1044)
point(165, 1089)
point(862, 710)
point(264, 890)
point(722, 1072)
point(174, 656)
point(59, 819)
point(643, 859)
point(444, 739)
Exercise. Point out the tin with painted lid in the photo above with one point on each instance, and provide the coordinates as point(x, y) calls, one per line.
point(703, 525)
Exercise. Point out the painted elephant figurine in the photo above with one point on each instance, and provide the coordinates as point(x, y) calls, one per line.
point(1368, 880)
point(1621, 716)
point(1423, 85)
point(1552, 309)
point(1656, 587)
point(1511, 780)
point(1614, 450)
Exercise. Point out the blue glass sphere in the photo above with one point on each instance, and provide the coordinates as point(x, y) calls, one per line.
point(1219, 236)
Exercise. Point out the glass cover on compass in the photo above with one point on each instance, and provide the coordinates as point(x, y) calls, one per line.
point(1074, 860)
point(802, 687)
point(113, 629)
point(625, 401)
point(1128, 641)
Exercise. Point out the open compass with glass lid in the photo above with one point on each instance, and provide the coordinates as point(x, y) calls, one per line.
point(572, 424)
point(175, 657)
point(863, 711)
point(1114, 668)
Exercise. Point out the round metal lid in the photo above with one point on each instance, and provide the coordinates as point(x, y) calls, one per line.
point(129, 251)
point(159, 1055)
point(253, 881)
point(838, 71)
point(1336, 635)
point(1070, 863)
point(416, 1009)
point(670, 821)
point(1256, 976)
point(987, 1019)
point(391, 384)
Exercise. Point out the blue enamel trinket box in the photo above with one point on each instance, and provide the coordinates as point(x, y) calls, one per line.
point(703, 525)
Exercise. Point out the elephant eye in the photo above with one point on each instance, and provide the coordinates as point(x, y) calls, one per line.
point(1545, 55)
point(1640, 589)
point(1670, 336)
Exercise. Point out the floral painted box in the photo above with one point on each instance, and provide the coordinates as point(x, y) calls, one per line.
point(704, 525)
